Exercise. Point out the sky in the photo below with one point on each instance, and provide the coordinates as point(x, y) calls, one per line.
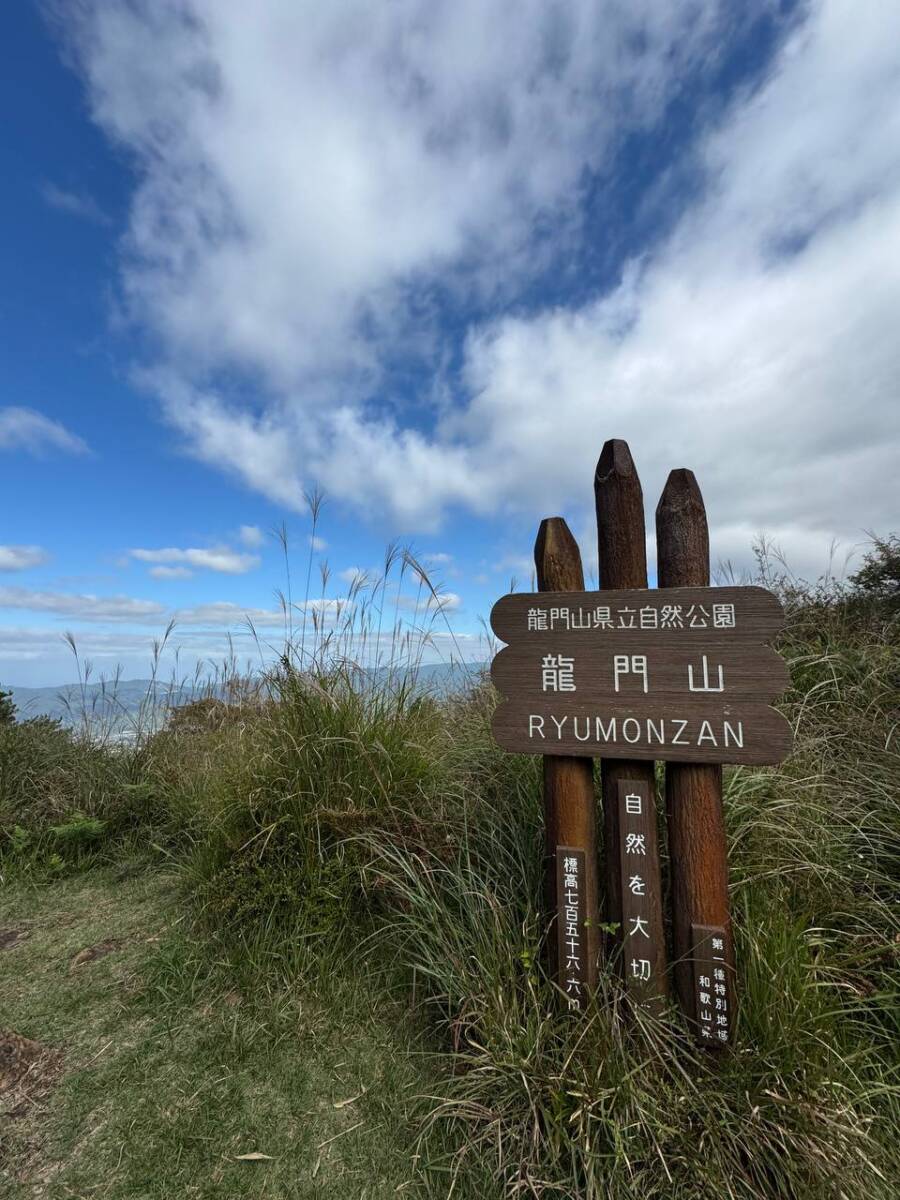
point(424, 259)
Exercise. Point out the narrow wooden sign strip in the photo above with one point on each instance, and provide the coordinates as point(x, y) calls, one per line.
point(643, 934)
point(696, 731)
point(736, 614)
point(573, 950)
point(664, 668)
point(713, 986)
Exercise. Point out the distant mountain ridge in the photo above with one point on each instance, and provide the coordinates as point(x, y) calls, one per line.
point(122, 701)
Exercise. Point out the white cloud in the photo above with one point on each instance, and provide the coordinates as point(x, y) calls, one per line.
point(220, 558)
point(20, 558)
point(126, 609)
point(82, 607)
point(25, 429)
point(438, 557)
point(318, 544)
point(252, 536)
point(308, 172)
point(427, 603)
point(447, 601)
point(170, 573)
point(76, 204)
point(757, 347)
point(223, 612)
point(308, 175)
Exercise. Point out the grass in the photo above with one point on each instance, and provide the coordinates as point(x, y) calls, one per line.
point(175, 1065)
point(359, 865)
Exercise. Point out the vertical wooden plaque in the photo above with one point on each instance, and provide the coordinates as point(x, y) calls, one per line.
point(573, 944)
point(713, 991)
point(642, 935)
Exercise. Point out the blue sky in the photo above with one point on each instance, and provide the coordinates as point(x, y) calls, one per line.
point(427, 258)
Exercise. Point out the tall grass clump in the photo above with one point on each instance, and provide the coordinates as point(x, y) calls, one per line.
point(807, 1105)
point(343, 738)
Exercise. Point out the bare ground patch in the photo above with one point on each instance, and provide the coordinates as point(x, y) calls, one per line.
point(91, 953)
point(9, 938)
point(28, 1071)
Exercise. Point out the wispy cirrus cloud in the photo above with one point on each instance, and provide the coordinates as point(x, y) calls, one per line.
point(76, 204)
point(170, 573)
point(251, 536)
point(20, 558)
point(83, 607)
point(26, 429)
point(354, 575)
point(119, 609)
point(225, 613)
point(218, 558)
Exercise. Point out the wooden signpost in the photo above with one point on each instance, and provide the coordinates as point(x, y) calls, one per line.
point(622, 561)
point(570, 833)
point(684, 673)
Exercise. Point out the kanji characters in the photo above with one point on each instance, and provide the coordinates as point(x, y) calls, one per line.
point(558, 673)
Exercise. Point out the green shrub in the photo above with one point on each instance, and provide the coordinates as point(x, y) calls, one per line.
point(68, 794)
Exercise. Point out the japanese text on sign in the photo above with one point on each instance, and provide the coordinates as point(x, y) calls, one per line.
point(712, 994)
point(648, 616)
point(571, 909)
point(683, 674)
point(642, 948)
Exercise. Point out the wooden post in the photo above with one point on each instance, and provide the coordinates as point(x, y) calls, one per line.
point(697, 845)
point(569, 805)
point(622, 550)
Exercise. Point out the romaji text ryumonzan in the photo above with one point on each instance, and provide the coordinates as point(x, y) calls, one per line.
point(642, 732)
point(647, 616)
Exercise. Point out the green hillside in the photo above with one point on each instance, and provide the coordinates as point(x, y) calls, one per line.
point(305, 924)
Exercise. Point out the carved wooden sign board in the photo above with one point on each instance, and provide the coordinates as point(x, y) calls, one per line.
point(679, 674)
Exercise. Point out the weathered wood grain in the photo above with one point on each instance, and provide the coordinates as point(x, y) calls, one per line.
point(569, 804)
point(697, 731)
point(757, 612)
point(607, 675)
point(712, 981)
point(643, 936)
point(622, 551)
point(696, 826)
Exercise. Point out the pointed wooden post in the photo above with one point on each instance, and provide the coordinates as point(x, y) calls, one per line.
point(697, 844)
point(569, 805)
point(622, 548)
